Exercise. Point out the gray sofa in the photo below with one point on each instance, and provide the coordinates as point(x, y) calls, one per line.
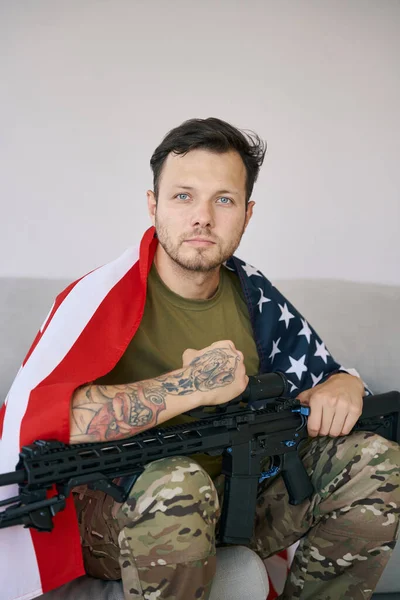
point(361, 327)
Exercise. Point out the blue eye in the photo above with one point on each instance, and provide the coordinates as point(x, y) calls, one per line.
point(221, 200)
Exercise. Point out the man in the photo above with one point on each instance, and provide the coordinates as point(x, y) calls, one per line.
point(203, 322)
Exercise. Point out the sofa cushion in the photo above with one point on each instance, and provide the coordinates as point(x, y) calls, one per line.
point(240, 574)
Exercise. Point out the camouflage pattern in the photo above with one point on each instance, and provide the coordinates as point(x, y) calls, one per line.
point(347, 530)
point(166, 532)
point(99, 532)
point(162, 540)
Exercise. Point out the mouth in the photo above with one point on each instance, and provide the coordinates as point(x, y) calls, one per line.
point(199, 242)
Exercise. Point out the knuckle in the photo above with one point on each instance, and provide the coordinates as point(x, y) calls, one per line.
point(317, 398)
point(344, 401)
point(214, 345)
point(332, 401)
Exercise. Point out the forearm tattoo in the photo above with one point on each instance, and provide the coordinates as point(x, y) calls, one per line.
point(119, 411)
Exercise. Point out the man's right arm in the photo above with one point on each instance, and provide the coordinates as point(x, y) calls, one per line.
point(208, 377)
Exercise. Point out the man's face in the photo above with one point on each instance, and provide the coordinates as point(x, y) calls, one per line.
point(201, 212)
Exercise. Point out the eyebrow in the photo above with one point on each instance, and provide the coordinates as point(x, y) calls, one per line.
point(190, 188)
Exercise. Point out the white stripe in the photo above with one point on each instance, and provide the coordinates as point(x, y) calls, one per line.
point(16, 547)
point(48, 317)
point(291, 551)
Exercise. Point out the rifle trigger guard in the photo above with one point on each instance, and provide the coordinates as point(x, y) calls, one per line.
point(274, 469)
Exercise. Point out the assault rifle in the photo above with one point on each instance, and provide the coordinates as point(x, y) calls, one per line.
point(260, 423)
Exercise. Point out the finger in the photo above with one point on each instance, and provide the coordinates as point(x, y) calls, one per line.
point(337, 423)
point(349, 423)
point(314, 420)
point(304, 397)
point(225, 343)
point(230, 346)
point(328, 414)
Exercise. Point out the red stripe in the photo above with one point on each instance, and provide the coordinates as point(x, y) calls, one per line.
point(95, 352)
point(272, 593)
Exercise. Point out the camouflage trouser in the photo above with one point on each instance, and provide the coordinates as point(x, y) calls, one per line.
point(162, 539)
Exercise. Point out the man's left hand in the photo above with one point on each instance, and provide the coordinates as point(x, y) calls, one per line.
point(335, 405)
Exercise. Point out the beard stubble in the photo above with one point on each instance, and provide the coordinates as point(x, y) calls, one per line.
point(199, 262)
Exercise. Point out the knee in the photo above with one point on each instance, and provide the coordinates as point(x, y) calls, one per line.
point(171, 513)
point(176, 487)
point(365, 490)
point(385, 463)
point(379, 460)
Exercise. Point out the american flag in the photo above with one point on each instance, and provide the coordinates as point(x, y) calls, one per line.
point(286, 343)
point(84, 335)
point(284, 339)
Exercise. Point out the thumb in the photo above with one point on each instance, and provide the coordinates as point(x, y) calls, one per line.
point(188, 355)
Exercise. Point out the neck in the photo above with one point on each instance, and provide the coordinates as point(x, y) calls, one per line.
point(192, 285)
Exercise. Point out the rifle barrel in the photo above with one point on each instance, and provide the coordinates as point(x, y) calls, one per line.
point(14, 477)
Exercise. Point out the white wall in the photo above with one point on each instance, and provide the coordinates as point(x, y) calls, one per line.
point(89, 88)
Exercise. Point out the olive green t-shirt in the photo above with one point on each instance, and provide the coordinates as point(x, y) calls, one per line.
point(171, 324)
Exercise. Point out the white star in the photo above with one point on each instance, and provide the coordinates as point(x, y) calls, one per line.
point(250, 270)
point(298, 366)
point(316, 378)
point(294, 387)
point(262, 300)
point(286, 315)
point(306, 330)
point(321, 351)
point(350, 371)
point(275, 350)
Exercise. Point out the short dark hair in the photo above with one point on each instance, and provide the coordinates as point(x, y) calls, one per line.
point(217, 136)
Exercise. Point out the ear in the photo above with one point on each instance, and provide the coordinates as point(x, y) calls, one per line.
point(249, 214)
point(151, 206)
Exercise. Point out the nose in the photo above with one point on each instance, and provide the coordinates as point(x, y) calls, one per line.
point(202, 215)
